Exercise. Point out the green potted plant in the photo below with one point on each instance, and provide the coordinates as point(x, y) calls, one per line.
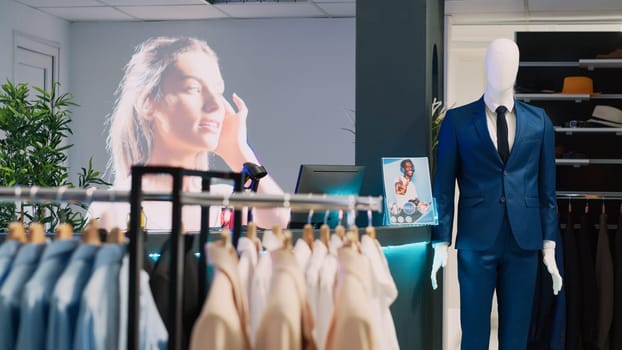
point(438, 114)
point(33, 152)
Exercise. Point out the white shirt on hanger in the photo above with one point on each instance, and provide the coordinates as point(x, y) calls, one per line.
point(383, 293)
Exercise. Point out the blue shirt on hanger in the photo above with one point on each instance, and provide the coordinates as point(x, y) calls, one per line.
point(8, 249)
point(24, 266)
point(36, 297)
point(153, 334)
point(65, 302)
point(97, 327)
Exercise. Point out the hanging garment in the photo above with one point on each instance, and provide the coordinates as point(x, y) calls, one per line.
point(351, 324)
point(65, 298)
point(153, 334)
point(303, 252)
point(313, 281)
point(572, 284)
point(604, 286)
point(383, 293)
point(616, 329)
point(160, 287)
point(223, 322)
point(25, 264)
point(326, 290)
point(97, 327)
point(588, 282)
point(36, 297)
point(8, 250)
point(548, 316)
point(287, 322)
point(261, 281)
point(248, 251)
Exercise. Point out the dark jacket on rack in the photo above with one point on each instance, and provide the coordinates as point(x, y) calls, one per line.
point(572, 285)
point(604, 286)
point(160, 287)
point(588, 282)
point(616, 328)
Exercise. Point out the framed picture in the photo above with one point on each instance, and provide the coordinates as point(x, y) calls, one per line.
point(408, 192)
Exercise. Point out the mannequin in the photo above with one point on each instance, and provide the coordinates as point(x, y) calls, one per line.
point(507, 208)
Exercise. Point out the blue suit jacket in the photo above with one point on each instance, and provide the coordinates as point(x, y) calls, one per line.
point(525, 184)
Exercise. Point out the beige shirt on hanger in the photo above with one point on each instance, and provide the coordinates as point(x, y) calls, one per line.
point(223, 323)
point(287, 322)
point(351, 325)
point(383, 293)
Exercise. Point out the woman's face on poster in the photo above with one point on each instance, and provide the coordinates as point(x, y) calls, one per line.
point(190, 113)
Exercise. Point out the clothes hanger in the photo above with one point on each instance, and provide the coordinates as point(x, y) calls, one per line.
point(36, 233)
point(307, 231)
point(286, 237)
point(370, 230)
point(352, 239)
point(115, 236)
point(90, 234)
point(325, 235)
point(63, 231)
point(225, 237)
point(16, 232)
point(251, 233)
point(340, 230)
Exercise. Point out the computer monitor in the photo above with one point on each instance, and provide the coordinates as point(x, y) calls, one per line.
point(336, 180)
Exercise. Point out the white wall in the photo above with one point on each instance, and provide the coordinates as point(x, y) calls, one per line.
point(296, 76)
point(466, 49)
point(17, 17)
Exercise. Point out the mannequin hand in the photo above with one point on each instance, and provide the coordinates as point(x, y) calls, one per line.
point(440, 260)
point(233, 146)
point(548, 254)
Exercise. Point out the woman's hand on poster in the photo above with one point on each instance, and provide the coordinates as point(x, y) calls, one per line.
point(233, 145)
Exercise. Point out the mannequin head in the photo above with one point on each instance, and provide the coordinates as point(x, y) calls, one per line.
point(501, 66)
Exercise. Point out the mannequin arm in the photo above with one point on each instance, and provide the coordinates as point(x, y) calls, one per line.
point(440, 260)
point(548, 254)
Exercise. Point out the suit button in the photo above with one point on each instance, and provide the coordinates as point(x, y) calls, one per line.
point(505, 173)
point(503, 199)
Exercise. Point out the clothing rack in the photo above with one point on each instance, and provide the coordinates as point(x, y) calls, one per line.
point(236, 200)
point(589, 195)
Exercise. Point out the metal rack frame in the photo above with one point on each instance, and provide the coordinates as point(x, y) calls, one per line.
point(236, 200)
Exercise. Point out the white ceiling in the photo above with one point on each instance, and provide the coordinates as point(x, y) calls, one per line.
point(152, 10)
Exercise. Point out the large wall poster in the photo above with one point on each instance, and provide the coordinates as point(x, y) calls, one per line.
point(408, 192)
point(297, 86)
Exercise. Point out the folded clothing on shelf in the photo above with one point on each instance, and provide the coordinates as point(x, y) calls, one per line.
point(617, 53)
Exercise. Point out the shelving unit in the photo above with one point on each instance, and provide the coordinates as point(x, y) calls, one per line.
point(589, 159)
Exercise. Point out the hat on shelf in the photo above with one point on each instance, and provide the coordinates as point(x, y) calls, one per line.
point(578, 85)
point(607, 115)
point(617, 53)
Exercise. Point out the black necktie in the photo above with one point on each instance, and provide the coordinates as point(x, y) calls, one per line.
point(502, 134)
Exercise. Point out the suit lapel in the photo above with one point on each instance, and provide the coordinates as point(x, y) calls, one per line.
point(479, 119)
point(521, 123)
